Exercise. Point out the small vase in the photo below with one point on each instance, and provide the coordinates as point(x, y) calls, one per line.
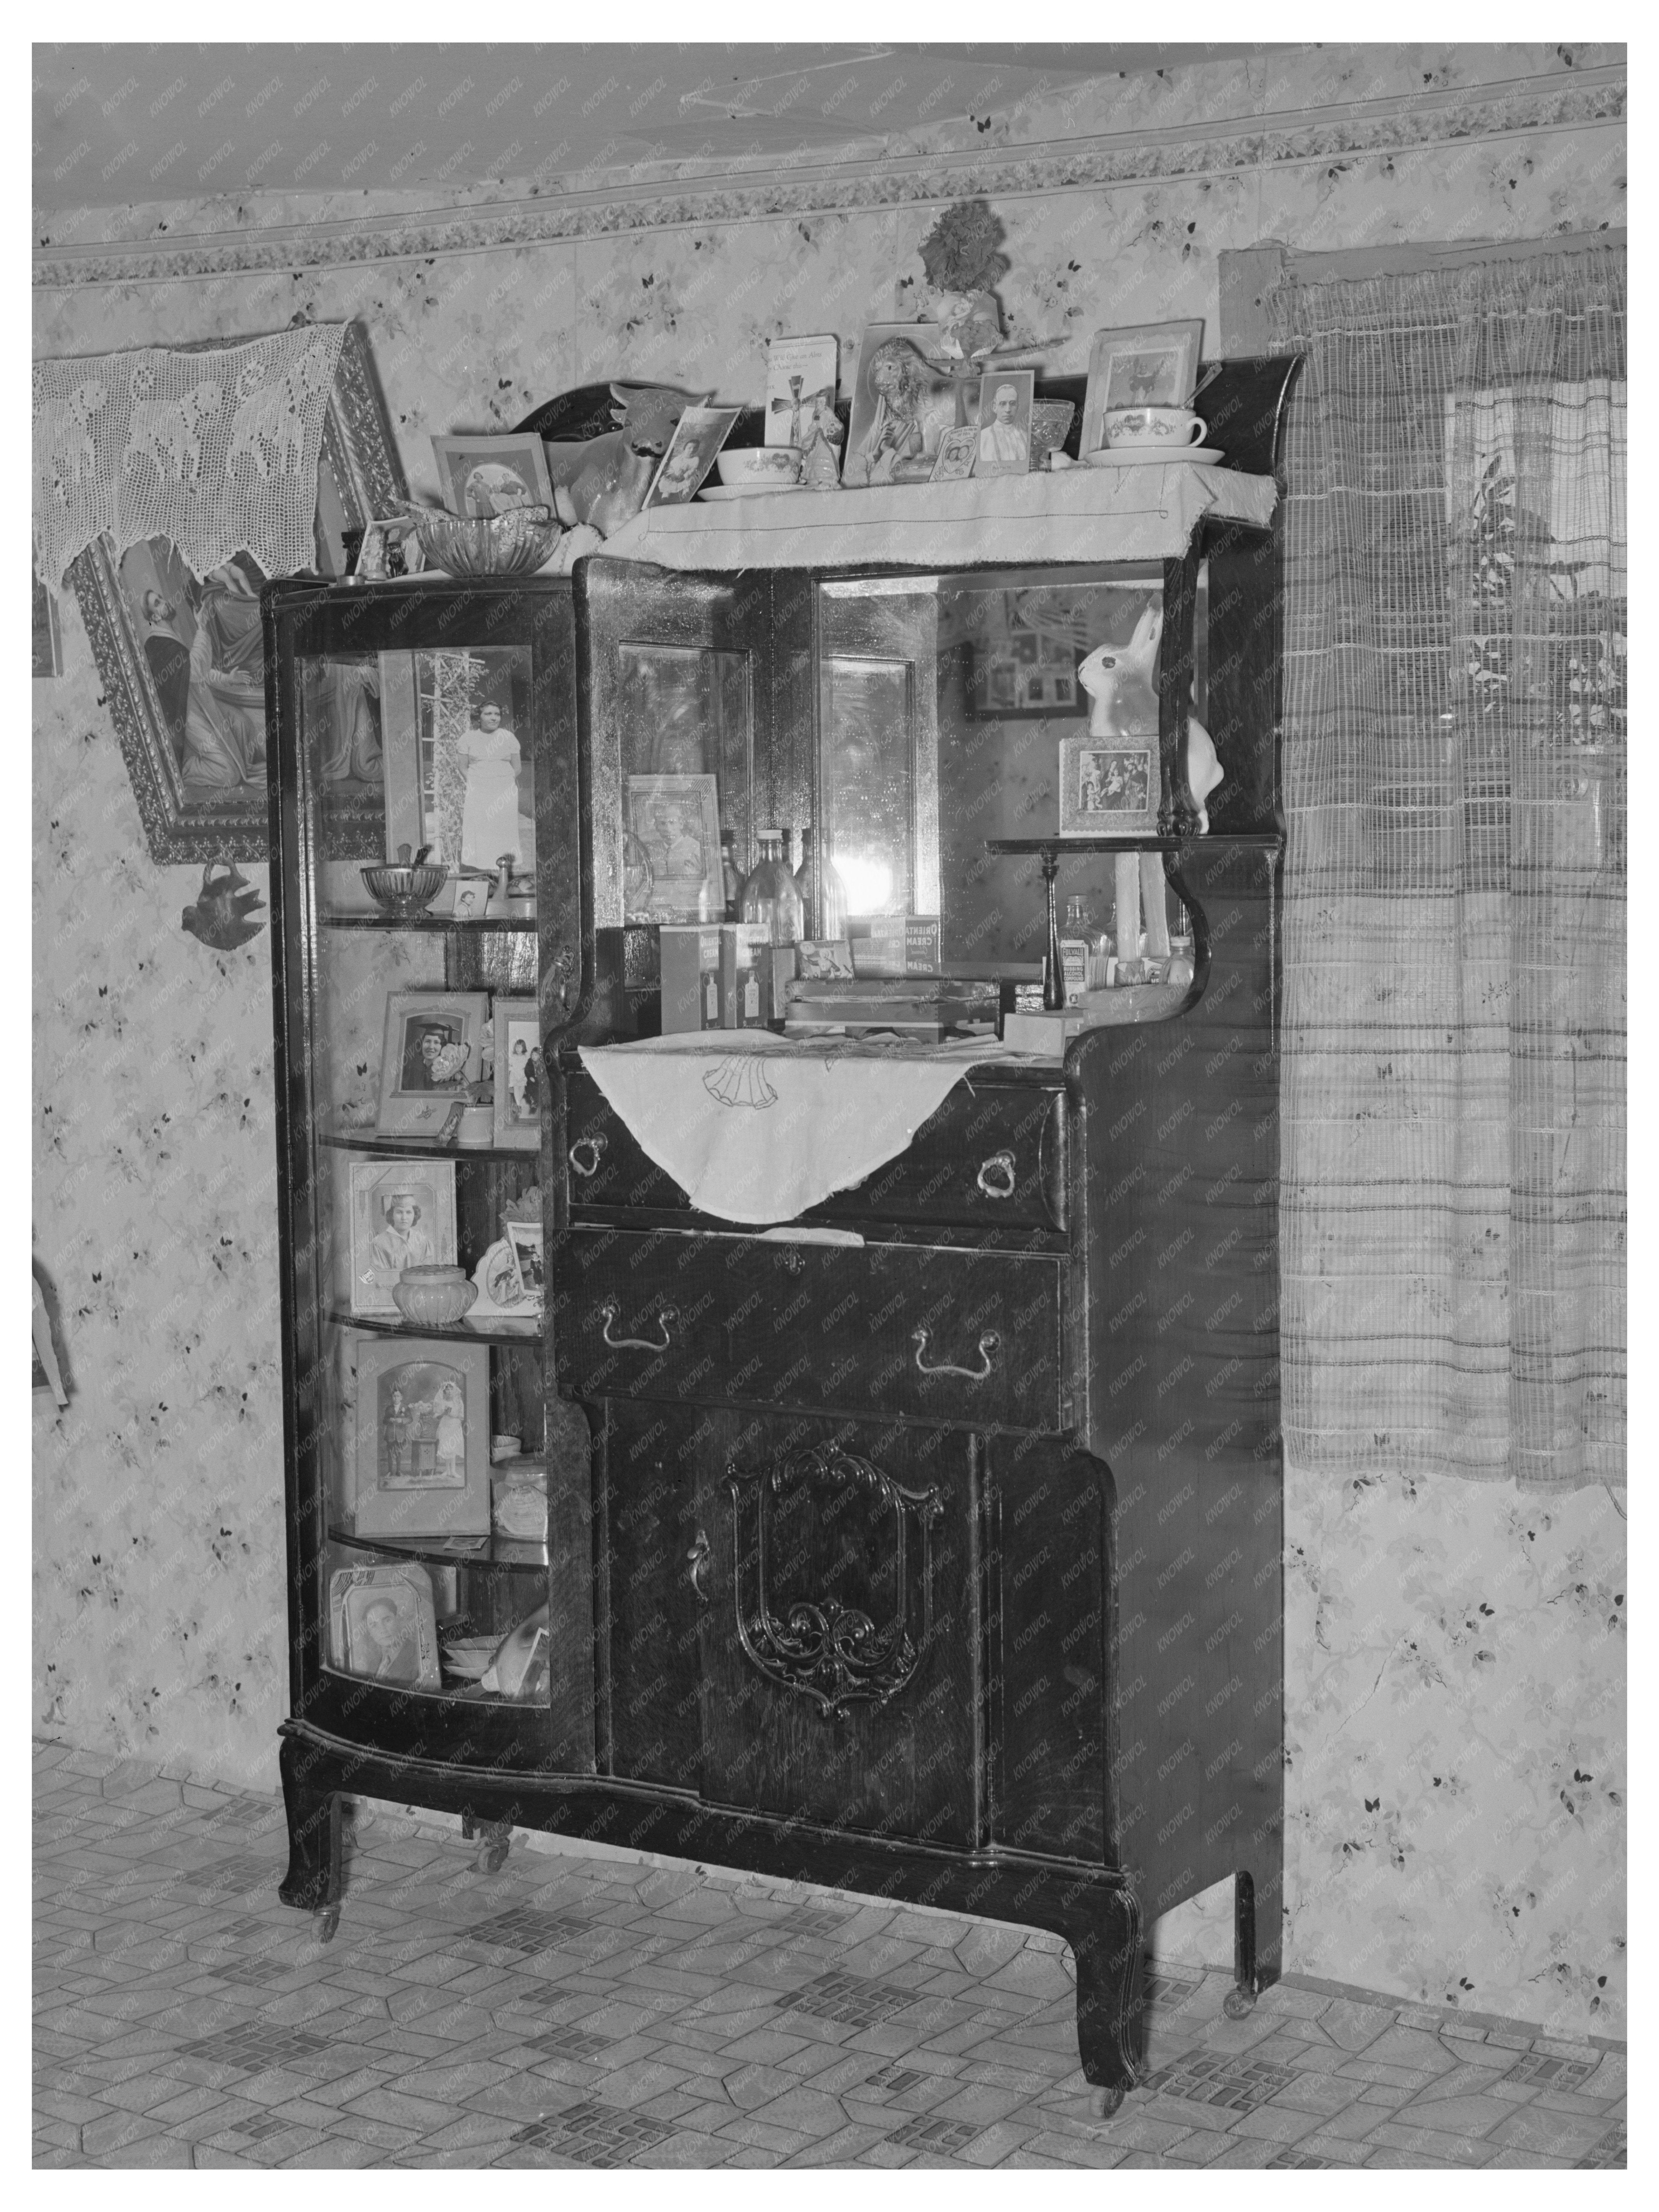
point(434, 1297)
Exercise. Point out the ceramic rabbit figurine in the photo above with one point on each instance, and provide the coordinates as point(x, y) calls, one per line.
point(1121, 680)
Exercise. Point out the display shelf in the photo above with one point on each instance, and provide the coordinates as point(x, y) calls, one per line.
point(1076, 848)
point(516, 1555)
point(399, 1144)
point(497, 1329)
point(432, 924)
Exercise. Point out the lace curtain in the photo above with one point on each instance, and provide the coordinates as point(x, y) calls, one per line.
point(1453, 1203)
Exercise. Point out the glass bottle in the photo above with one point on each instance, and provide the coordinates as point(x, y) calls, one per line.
point(769, 893)
point(732, 882)
point(834, 917)
point(1080, 928)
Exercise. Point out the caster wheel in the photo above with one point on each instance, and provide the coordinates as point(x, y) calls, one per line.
point(1105, 2102)
point(495, 1858)
point(1238, 2004)
point(328, 1923)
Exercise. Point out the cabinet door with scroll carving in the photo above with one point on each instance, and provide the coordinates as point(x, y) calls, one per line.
point(840, 1617)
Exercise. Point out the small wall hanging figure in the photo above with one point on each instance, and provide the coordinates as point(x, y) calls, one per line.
point(219, 916)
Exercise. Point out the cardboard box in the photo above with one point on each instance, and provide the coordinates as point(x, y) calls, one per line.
point(690, 960)
point(1044, 1032)
point(896, 944)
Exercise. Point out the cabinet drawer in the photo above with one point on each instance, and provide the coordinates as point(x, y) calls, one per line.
point(965, 1339)
point(993, 1155)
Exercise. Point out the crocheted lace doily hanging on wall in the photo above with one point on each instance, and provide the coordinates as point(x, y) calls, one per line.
point(217, 450)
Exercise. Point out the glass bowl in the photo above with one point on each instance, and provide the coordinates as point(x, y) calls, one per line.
point(511, 543)
point(405, 888)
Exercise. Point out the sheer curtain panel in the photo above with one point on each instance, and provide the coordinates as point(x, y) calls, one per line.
point(1453, 1200)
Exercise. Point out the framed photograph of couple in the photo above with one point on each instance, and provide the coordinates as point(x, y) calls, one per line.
point(1149, 365)
point(520, 1078)
point(481, 477)
point(180, 656)
point(433, 1050)
point(422, 1438)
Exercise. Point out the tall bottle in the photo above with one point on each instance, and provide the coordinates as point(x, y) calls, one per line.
point(771, 894)
point(732, 882)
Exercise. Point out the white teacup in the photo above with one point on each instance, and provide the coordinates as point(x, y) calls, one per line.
point(753, 465)
point(1165, 427)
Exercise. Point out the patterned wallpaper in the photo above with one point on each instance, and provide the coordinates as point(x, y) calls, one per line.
point(1456, 1671)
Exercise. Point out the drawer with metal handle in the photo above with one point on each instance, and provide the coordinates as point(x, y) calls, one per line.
point(993, 1155)
point(949, 1335)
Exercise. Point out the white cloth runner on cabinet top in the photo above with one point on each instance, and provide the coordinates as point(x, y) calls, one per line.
point(756, 1128)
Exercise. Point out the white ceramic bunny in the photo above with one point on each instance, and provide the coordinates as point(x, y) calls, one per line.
point(1121, 680)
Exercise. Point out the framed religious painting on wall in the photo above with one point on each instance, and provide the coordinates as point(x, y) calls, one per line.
point(179, 656)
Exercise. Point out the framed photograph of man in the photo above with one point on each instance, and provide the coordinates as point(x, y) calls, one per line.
point(481, 477)
point(677, 820)
point(1149, 365)
point(422, 1438)
point(1004, 446)
point(432, 1049)
point(698, 436)
point(382, 1625)
point(520, 1078)
point(402, 1215)
point(1108, 787)
point(179, 657)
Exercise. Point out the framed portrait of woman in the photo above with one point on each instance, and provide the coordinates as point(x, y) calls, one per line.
point(432, 1052)
point(180, 656)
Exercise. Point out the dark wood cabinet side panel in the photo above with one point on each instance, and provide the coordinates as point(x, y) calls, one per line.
point(1181, 1145)
point(1050, 1568)
point(650, 1527)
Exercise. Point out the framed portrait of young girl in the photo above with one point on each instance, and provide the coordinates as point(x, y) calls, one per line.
point(520, 1077)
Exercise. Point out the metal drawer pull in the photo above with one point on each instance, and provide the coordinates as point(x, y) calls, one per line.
point(996, 1176)
point(698, 1556)
point(608, 1313)
point(987, 1344)
point(593, 1145)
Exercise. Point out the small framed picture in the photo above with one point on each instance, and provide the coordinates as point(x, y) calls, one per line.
point(800, 378)
point(382, 1625)
point(486, 476)
point(698, 436)
point(432, 1049)
point(521, 1083)
point(464, 898)
point(955, 457)
point(422, 1438)
point(403, 1215)
point(1005, 424)
point(1108, 787)
point(1151, 365)
point(675, 820)
point(524, 1240)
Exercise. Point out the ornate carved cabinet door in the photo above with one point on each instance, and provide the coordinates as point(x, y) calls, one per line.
point(837, 1571)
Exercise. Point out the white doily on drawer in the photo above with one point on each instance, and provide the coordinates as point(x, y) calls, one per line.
point(217, 450)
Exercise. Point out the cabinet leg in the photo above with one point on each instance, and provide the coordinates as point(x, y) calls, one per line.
point(494, 1838)
point(1241, 1998)
point(314, 1882)
point(1108, 1951)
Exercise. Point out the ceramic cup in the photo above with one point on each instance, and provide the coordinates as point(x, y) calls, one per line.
point(760, 465)
point(1165, 427)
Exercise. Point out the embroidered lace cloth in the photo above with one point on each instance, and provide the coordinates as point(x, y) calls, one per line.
point(217, 450)
point(756, 1128)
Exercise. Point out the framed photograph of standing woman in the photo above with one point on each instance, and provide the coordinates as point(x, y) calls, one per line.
point(179, 657)
point(520, 1079)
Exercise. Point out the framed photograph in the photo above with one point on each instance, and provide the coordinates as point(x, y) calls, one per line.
point(955, 459)
point(520, 1079)
point(382, 1625)
point(481, 476)
point(800, 376)
point(459, 775)
point(402, 1215)
point(524, 1240)
point(464, 899)
point(1108, 787)
point(1151, 365)
point(676, 822)
point(903, 402)
point(698, 436)
point(185, 682)
point(432, 1049)
point(391, 548)
point(1005, 424)
point(1050, 420)
point(422, 1438)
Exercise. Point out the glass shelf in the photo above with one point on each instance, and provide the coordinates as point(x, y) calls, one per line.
point(399, 1144)
point(433, 923)
point(512, 1553)
point(498, 1328)
point(1004, 847)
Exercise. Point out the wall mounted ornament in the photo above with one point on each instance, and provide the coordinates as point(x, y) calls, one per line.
point(168, 487)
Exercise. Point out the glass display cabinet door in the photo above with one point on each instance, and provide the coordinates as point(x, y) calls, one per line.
point(417, 1250)
point(675, 667)
point(878, 737)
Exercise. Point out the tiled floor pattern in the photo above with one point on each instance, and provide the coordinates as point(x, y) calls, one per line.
point(589, 2012)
